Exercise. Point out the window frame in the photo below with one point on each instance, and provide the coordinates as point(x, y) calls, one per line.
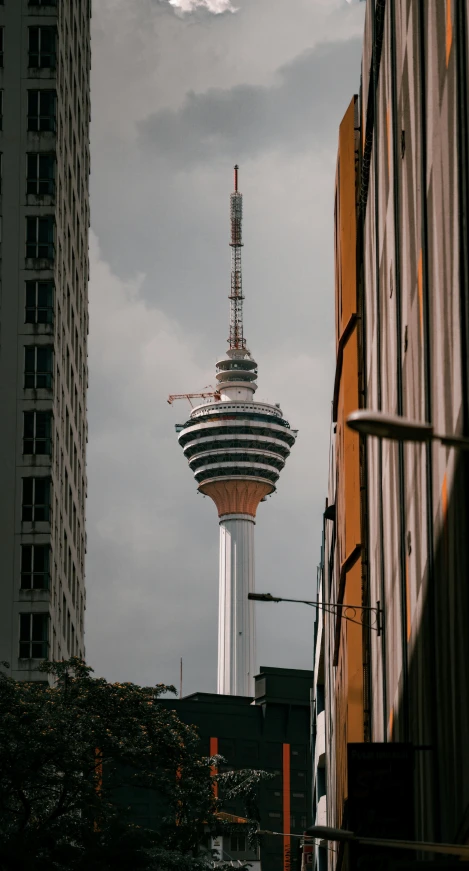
point(31, 508)
point(36, 378)
point(41, 121)
point(237, 838)
point(39, 53)
point(38, 180)
point(33, 310)
point(31, 624)
point(38, 248)
point(39, 579)
point(34, 441)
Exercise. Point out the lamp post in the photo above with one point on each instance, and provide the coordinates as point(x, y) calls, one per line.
point(327, 833)
point(401, 429)
point(329, 607)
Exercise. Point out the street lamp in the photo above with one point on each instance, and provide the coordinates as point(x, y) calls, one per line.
point(327, 833)
point(329, 608)
point(401, 429)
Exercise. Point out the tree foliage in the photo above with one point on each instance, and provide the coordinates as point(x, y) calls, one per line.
point(69, 748)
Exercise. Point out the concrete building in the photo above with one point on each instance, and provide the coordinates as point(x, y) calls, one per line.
point(396, 524)
point(236, 448)
point(44, 145)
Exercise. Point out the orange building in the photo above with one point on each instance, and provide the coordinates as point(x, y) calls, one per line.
point(344, 641)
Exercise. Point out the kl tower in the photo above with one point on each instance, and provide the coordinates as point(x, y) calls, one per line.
point(236, 448)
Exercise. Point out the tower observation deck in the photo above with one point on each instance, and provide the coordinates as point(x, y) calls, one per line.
point(236, 448)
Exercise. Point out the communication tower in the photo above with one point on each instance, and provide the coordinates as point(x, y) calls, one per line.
point(236, 448)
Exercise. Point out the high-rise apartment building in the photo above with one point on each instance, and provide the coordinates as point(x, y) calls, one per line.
point(44, 145)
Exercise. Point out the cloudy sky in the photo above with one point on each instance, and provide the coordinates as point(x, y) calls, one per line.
point(182, 90)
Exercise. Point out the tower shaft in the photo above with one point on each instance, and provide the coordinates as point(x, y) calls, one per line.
point(236, 624)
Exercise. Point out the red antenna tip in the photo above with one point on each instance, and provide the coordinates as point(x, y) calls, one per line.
point(236, 178)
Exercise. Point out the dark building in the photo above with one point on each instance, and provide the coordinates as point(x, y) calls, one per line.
point(271, 732)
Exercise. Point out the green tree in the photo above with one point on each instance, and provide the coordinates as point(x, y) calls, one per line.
point(68, 749)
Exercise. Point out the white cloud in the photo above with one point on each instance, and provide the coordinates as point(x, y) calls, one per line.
point(215, 6)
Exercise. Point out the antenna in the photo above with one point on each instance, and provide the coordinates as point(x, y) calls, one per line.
point(236, 339)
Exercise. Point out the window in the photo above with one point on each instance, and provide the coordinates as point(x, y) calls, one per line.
point(39, 302)
point(34, 636)
point(40, 238)
point(1, 109)
point(35, 566)
point(42, 2)
point(298, 755)
point(38, 369)
point(42, 47)
point(37, 432)
point(41, 174)
point(41, 111)
point(238, 844)
point(36, 500)
point(1, 46)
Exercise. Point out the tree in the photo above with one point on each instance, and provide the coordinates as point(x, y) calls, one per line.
point(66, 752)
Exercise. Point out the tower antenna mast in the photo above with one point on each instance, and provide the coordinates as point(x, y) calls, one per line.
point(236, 339)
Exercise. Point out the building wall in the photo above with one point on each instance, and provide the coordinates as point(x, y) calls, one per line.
point(61, 76)
point(412, 209)
point(344, 653)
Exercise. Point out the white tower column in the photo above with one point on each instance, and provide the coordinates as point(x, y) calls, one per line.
point(236, 626)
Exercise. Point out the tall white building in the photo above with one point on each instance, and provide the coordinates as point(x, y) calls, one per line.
point(236, 449)
point(44, 145)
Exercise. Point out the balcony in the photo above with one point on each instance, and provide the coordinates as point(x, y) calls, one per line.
point(320, 746)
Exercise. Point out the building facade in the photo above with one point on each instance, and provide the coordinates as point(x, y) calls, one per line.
point(397, 515)
point(44, 142)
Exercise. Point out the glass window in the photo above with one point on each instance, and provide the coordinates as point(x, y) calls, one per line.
point(36, 500)
point(38, 367)
point(39, 302)
point(37, 432)
point(238, 844)
point(42, 47)
point(41, 111)
point(40, 174)
point(34, 636)
point(40, 237)
point(35, 560)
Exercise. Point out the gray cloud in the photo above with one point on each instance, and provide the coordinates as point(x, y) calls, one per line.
point(298, 112)
point(159, 309)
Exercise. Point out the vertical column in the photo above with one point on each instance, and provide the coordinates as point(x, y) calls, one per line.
point(236, 627)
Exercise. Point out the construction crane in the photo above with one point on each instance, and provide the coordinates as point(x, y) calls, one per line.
point(204, 394)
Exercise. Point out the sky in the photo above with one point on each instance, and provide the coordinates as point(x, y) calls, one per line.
point(181, 91)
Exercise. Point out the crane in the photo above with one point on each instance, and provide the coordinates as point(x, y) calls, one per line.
point(206, 393)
